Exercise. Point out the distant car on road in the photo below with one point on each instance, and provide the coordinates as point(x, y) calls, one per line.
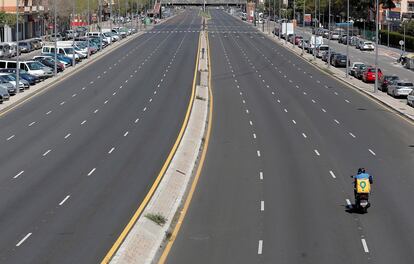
point(385, 81)
point(367, 45)
point(410, 98)
point(400, 88)
point(369, 74)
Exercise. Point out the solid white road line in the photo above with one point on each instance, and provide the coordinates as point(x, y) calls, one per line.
point(47, 152)
point(260, 247)
point(23, 239)
point(12, 136)
point(64, 200)
point(317, 152)
point(90, 173)
point(332, 174)
point(110, 151)
point(31, 124)
point(372, 152)
point(68, 135)
point(364, 245)
point(18, 174)
point(262, 206)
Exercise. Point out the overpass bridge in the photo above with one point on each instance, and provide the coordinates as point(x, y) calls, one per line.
point(207, 2)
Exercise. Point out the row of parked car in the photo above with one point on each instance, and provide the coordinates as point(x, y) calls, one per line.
point(41, 67)
point(391, 84)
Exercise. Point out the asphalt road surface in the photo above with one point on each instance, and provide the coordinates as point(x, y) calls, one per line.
point(77, 160)
point(285, 140)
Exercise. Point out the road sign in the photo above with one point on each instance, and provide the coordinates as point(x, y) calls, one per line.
point(401, 42)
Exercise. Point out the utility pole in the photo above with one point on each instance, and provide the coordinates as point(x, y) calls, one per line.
point(55, 31)
point(73, 34)
point(294, 25)
point(303, 21)
point(89, 28)
point(314, 45)
point(329, 35)
point(110, 21)
point(274, 16)
point(347, 39)
point(18, 50)
point(280, 20)
point(376, 47)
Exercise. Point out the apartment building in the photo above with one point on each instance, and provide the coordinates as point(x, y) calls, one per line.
point(34, 15)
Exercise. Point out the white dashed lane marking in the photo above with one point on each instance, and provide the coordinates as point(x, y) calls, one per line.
point(18, 174)
point(332, 174)
point(23, 239)
point(64, 200)
point(92, 171)
point(12, 136)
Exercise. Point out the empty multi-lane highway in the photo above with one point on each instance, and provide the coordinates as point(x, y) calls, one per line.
point(77, 160)
point(286, 138)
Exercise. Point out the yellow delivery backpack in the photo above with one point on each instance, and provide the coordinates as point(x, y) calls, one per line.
point(363, 186)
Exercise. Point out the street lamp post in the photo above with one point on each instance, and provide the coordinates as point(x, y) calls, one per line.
point(376, 47)
point(329, 34)
point(18, 50)
point(314, 45)
point(303, 37)
point(87, 20)
point(280, 20)
point(73, 34)
point(55, 39)
point(347, 40)
point(294, 25)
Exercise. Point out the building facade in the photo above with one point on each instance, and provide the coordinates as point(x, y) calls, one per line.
point(33, 13)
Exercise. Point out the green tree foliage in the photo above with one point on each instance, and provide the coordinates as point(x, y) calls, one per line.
point(8, 19)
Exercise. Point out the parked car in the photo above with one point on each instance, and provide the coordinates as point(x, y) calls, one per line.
point(10, 87)
point(25, 47)
point(23, 75)
point(339, 60)
point(7, 77)
point(49, 62)
point(334, 35)
point(57, 37)
point(4, 93)
point(62, 58)
point(400, 88)
point(354, 67)
point(369, 74)
point(385, 80)
point(70, 34)
point(36, 44)
point(320, 50)
point(366, 45)
point(410, 98)
point(325, 55)
point(360, 70)
point(25, 83)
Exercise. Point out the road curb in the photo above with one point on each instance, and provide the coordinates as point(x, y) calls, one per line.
point(145, 238)
point(385, 104)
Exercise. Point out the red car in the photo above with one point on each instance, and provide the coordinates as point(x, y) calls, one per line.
point(369, 74)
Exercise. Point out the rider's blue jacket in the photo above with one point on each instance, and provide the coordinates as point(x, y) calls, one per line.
point(363, 176)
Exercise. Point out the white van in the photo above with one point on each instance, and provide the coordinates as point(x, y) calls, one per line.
point(99, 34)
point(66, 51)
point(32, 67)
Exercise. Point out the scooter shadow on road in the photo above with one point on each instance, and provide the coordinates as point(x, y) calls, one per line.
point(351, 209)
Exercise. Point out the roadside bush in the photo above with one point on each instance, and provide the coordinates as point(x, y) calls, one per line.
point(395, 38)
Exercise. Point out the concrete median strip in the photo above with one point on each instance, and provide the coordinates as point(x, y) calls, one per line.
point(154, 225)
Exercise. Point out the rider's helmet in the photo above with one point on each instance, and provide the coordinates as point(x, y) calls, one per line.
point(361, 170)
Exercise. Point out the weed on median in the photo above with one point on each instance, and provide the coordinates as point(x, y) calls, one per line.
point(157, 218)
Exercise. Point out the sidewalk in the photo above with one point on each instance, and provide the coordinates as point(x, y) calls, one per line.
point(398, 105)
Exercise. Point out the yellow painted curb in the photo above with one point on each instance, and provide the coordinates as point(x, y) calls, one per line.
point(187, 203)
point(157, 181)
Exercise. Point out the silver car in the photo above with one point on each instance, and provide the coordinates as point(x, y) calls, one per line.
point(410, 98)
point(400, 88)
point(10, 87)
point(4, 93)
